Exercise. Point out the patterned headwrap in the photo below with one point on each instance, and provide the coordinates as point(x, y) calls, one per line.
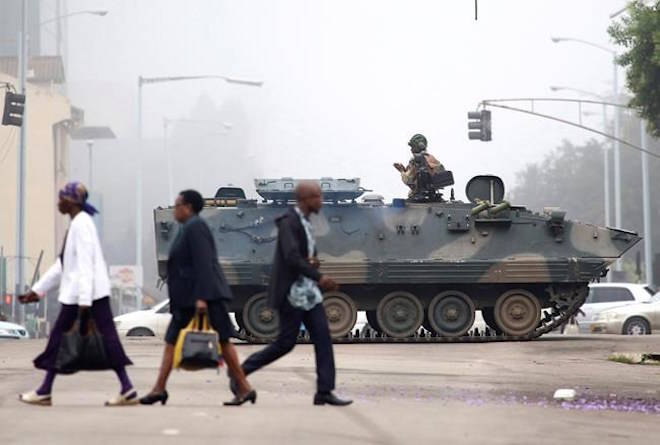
point(76, 192)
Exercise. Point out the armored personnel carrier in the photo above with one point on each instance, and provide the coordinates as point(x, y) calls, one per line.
point(410, 264)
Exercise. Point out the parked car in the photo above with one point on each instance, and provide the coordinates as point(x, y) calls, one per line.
point(634, 319)
point(13, 331)
point(604, 296)
point(146, 323)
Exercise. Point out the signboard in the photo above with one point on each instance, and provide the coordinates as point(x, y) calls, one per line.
point(126, 283)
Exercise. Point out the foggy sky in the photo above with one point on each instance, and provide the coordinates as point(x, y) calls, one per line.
point(346, 82)
point(346, 85)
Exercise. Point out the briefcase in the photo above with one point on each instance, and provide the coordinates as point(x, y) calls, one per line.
point(197, 346)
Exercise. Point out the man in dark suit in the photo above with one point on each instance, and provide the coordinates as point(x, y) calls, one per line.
point(294, 264)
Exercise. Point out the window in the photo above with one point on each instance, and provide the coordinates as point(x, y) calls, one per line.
point(609, 295)
point(164, 310)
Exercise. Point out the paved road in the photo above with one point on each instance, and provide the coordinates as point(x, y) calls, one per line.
point(405, 394)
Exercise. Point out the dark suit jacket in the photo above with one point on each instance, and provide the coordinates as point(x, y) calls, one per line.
point(291, 258)
point(193, 272)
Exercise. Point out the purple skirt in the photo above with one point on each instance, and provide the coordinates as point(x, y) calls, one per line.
point(104, 324)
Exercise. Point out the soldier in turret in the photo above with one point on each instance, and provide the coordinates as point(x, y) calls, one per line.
point(422, 165)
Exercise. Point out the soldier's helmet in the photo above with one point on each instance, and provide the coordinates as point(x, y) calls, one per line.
point(418, 143)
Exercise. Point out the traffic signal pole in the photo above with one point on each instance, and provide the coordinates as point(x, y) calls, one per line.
point(497, 104)
point(646, 198)
point(20, 186)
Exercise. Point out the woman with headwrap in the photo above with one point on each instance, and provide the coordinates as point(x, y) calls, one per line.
point(82, 276)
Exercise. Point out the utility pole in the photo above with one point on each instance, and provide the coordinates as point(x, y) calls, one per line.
point(617, 154)
point(141, 81)
point(20, 186)
point(646, 204)
point(138, 180)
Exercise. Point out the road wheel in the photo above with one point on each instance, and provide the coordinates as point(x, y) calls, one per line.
point(341, 313)
point(488, 314)
point(636, 326)
point(260, 320)
point(399, 314)
point(451, 313)
point(517, 312)
point(140, 332)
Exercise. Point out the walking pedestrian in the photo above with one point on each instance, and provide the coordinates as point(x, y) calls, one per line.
point(196, 284)
point(82, 276)
point(294, 292)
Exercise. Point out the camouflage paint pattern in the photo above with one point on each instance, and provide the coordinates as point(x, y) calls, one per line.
point(422, 248)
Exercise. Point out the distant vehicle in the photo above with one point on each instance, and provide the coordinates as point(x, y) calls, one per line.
point(13, 331)
point(633, 319)
point(147, 323)
point(603, 296)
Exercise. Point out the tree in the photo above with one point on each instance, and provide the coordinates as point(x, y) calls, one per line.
point(639, 34)
point(569, 177)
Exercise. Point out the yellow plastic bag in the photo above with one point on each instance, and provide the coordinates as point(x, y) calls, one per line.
point(199, 324)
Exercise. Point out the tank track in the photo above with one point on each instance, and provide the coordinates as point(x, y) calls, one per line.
point(565, 304)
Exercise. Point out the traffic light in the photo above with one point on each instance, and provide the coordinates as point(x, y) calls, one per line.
point(14, 109)
point(5, 306)
point(479, 125)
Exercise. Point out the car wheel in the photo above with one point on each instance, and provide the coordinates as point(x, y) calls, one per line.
point(140, 332)
point(636, 326)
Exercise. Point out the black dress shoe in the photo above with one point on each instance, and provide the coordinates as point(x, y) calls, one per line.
point(154, 397)
point(323, 398)
point(238, 401)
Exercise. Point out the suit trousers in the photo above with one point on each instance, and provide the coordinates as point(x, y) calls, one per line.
point(317, 324)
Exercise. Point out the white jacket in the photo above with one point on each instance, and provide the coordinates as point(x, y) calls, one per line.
point(84, 276)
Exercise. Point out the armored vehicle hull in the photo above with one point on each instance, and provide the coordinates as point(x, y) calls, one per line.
point(415, 264)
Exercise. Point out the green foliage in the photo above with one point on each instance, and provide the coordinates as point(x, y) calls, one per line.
point(639, 34)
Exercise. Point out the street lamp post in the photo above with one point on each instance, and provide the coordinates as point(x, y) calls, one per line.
point(646, 204)
point(20, 186)
point(22, 62)
point(139, 180)
point(617, 145)
point(58, 19)
point(90, 135)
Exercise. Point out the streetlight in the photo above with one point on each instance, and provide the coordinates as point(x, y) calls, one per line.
point(99, 13)
point(22, 62)
point(147, 81)
point(648, 267)
point(617, 146)
point(226, 126)
point(606, 158)
point(90, 135)
point(646, 204)
point(58, 19)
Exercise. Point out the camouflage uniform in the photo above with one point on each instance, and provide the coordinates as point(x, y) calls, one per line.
point(409, 175)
